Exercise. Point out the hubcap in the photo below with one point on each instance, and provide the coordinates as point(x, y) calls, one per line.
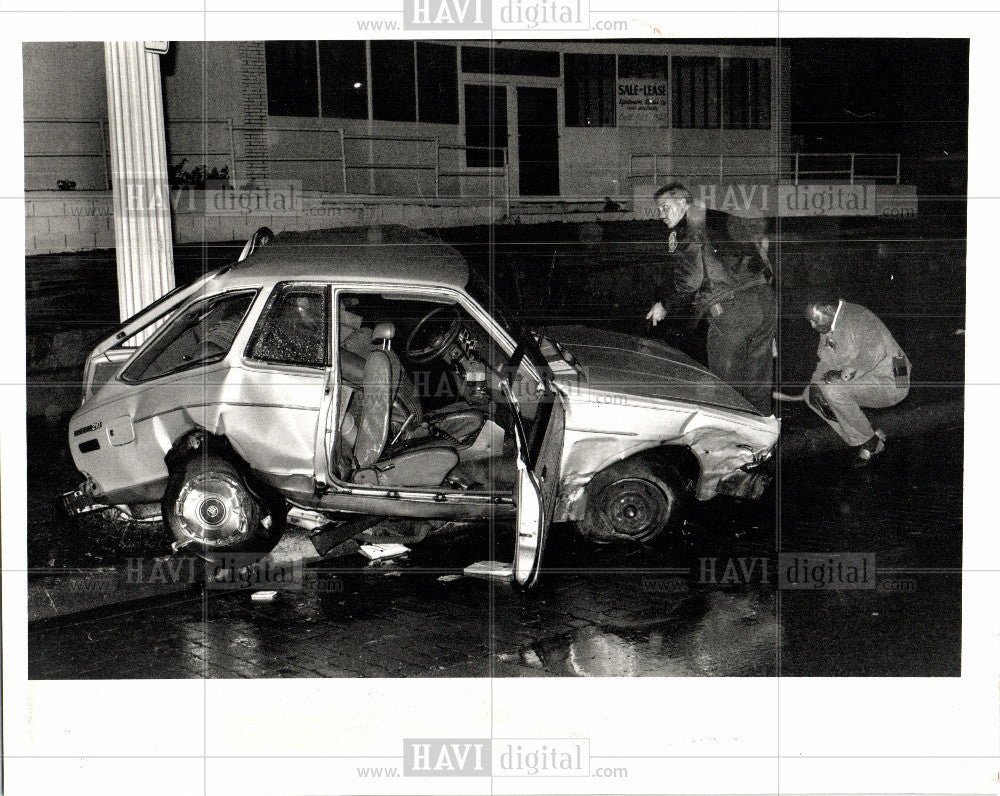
point(212, 509)
point(634, 507)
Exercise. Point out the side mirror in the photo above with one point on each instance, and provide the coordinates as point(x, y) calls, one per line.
point(262, 236)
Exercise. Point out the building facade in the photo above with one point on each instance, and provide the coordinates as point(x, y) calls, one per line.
point(555, 119)
point(565, 119)
point(422, 132)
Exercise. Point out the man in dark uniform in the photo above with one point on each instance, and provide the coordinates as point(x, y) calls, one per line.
point(720, 267)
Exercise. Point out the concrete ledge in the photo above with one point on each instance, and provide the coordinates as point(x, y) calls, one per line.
point(68, 221)
point(76, 591)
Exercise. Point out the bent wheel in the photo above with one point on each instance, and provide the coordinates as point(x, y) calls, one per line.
point(208, 505)
point(632, 502)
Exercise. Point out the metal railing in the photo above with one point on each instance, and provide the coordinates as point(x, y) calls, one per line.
point(476, 172)
point(218, 140)
point(94, 127)
point(333, 154)
point(850, 166)
point(176, 153)
point(791, 167)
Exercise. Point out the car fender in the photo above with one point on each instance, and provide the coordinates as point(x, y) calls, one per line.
point(572, 501)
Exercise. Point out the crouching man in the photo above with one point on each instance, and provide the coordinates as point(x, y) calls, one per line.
point(860, 365)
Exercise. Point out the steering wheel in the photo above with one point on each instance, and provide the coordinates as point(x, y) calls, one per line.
point(433, 334)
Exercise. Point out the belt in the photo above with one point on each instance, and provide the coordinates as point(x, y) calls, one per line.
point(711, 299)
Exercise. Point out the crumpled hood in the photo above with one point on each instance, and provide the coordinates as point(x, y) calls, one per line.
point(632, 365)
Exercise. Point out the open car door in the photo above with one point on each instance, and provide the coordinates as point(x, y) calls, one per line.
point(539, 451)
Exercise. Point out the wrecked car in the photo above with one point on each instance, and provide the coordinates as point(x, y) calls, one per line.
point(364, 371)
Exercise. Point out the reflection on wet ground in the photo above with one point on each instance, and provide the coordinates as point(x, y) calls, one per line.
point(709, 633)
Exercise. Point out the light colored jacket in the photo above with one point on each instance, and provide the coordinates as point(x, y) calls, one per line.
point(857, 343)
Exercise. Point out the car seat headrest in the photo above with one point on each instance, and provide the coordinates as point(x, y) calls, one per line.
point(384, 332)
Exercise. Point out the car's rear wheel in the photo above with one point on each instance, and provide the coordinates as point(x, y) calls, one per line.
point(208, 506)
point(633, 501)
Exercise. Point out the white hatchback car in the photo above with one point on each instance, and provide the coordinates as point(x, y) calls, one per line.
point(361, 370)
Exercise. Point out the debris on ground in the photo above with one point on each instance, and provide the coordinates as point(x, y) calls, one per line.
point(381, 552)
point(449, 578)
point(491, 570)
point(303, 518)
point(345, 549)
point(330, 536)
point(530, 658)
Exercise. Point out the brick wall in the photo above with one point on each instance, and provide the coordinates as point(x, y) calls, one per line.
point(253, 93)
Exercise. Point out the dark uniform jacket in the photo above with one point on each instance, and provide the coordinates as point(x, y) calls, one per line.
point(714, 258)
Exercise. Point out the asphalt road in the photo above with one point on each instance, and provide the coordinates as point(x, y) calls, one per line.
point(650, 611)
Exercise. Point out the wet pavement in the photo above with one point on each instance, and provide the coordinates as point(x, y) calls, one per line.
point(597, 611)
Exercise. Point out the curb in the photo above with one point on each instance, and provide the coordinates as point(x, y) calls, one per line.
point(75, 592)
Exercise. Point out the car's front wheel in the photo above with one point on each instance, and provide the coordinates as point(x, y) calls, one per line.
point(633, 501)
point(208, 506)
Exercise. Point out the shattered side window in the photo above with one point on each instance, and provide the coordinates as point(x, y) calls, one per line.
point(200, 335)
point(294, 329)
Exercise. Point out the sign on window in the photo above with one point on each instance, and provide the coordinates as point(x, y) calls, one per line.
point(643, 103)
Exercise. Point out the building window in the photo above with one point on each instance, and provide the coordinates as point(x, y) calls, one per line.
point(343, 79)
point(746, 93)
point(643, 67)
point(503, 61)
point(292, 85)
point(589, 90)
point(485, 125)
point(394, 96)
point(331, 78)
point(437, 83)
point(695, 92)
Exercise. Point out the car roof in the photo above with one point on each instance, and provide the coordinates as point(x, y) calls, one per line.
point(384, 253)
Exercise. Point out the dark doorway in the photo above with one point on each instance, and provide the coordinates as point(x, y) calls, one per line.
point(538, 141)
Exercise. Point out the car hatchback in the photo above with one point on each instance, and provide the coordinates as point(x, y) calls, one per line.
point(362, 370)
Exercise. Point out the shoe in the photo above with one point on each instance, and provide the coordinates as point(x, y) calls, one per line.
point(873, 447)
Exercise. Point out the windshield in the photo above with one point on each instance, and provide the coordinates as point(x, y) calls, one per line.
point(479, 289)
point(527, 339)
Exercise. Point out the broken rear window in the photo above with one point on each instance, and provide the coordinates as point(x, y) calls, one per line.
point(200, 335)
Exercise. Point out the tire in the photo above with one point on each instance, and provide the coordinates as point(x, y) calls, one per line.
point(208, 506)
point(633, 501)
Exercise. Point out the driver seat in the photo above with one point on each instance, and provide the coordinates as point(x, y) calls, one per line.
point(457, 424)
point(424, 464)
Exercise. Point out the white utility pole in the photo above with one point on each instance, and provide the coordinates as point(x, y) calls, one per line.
point(139, 177)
